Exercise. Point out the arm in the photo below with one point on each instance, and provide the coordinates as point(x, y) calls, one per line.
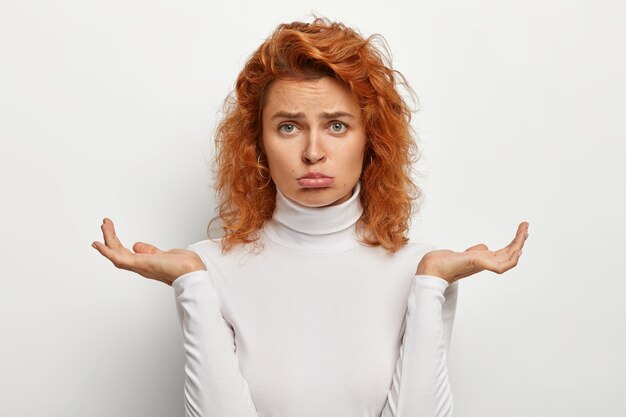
point(420, 386)
point(214, 385)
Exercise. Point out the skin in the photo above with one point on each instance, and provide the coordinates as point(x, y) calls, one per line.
point(295, 146)
point(313, 141)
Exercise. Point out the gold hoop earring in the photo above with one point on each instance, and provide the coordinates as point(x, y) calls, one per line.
point(269, 178)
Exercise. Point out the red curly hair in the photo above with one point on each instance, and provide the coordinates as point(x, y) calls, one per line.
point(300, 50)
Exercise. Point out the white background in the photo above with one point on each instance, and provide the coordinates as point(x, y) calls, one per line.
point(107, 109)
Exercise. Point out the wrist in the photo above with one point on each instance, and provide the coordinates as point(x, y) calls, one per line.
point(194, 266)
point(430, 271)
point(187, 270)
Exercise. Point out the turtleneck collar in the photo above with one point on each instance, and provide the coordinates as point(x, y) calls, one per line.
point(315, 229)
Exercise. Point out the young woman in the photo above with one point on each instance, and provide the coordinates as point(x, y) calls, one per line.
point(314, 302)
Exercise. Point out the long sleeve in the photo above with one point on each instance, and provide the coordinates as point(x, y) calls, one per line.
point(214, 385)
point(420, 386)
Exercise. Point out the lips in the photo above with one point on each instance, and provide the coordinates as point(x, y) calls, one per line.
point(315, 175)
point(315, 180)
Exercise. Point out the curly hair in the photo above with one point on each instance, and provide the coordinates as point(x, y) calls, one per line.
point(321, 48)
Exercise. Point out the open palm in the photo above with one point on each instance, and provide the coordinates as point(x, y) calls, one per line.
point(147, 260)
point(453, 266)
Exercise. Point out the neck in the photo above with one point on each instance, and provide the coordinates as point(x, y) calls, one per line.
point(315, 229)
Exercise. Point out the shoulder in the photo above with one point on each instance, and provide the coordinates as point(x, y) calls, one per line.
point(205, 245)
point(207, 249)
point(419, 247)
point(212, 252)
point(410, 253)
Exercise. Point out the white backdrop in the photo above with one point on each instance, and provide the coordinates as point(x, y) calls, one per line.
point(107, 110)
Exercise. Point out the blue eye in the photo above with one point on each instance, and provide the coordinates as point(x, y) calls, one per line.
point(338, 125)
point(291, 128)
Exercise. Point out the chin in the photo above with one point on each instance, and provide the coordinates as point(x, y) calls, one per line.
point(322, 197)
point(314, 196)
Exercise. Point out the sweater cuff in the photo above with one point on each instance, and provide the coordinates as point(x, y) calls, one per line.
point(191, 279)
point(430, 281)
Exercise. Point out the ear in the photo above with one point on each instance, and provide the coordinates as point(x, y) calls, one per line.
point(261, 147)
point(368, 155)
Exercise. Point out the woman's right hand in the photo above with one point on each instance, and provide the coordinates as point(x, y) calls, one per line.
point(147, 260)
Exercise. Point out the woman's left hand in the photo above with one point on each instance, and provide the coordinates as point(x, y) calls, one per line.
point(452, 266)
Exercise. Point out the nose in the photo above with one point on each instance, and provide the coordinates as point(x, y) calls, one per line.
point(314, 151)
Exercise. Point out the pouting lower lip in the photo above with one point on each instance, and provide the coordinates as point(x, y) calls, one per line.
point(312, 182)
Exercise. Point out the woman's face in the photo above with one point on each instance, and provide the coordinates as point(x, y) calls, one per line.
point(313, 127)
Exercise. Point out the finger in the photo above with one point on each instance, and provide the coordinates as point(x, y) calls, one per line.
point(480, 246)
point(507, 259)
point(110, 237)
point(520, 237)
point(104, 250)
point(118, 258)
point(141, 247)
point(496, 263)
point(511, 250)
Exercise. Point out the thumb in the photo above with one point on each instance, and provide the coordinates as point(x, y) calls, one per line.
point(141, 247)
point(480, 246)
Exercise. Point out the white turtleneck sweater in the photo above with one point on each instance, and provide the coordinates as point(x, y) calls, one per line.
point(316, 324)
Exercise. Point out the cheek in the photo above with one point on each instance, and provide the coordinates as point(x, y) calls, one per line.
point(356, 155)
point(278, 159)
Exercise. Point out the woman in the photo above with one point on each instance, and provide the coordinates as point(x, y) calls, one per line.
point(314, 303)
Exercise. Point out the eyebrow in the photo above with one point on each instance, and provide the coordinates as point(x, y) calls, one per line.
point(325, 115)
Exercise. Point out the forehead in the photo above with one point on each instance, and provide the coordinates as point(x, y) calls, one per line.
point(325, 93)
